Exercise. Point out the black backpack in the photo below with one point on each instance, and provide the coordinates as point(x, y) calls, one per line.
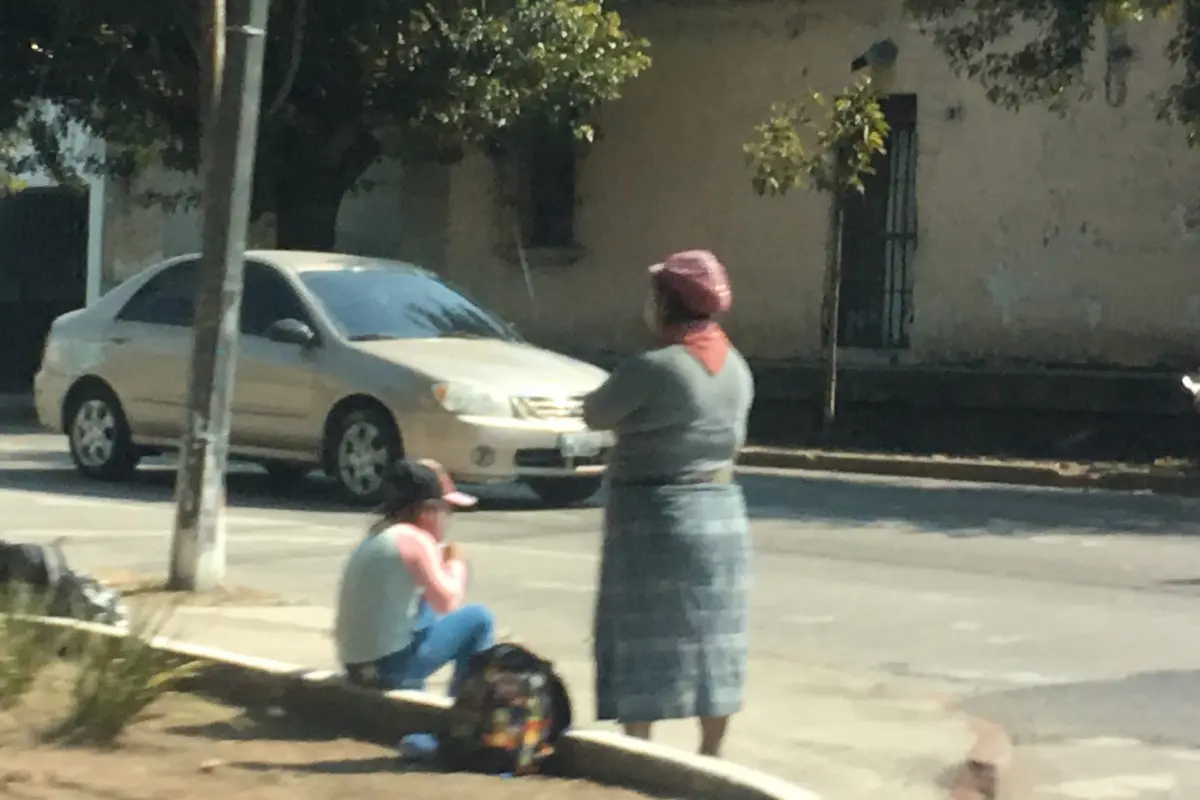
point(24, 564)
point(509, 711)
point(55, 588)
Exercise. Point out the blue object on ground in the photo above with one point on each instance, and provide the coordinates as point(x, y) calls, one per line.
point(421, 747)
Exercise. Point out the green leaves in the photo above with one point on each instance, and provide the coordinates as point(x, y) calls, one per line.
point(344, 82)
point(26, 647)
point(484, 71)
point(118, 677)
point(821, 143)
point(1025, 51)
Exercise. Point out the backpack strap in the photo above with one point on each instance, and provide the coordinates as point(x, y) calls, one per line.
point(562, 704)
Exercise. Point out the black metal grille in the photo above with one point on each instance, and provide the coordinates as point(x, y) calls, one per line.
point(879, 240)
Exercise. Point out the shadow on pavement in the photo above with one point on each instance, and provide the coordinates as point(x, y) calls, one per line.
point(244, 490)
point(967, 510)
point(1152, 707)
point(349, 766)
point(34, 456)
point(956, 510)
point(254, 724)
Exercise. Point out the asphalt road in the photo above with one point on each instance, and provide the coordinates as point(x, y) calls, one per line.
point(1064, 615)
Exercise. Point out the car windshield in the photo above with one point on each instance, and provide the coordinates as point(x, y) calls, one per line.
point(381, 302)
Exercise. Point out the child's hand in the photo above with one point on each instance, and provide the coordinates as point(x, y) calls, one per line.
point(450, 552)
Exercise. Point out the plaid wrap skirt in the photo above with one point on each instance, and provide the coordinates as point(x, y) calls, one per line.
point(669, 636)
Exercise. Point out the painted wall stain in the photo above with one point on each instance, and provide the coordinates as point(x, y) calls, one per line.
point(1006, 291)
point(1188, 220)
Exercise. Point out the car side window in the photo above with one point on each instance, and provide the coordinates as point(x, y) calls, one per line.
point(267, 298)
point(169, 298)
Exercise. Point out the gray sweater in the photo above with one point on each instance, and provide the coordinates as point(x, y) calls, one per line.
point(671, 417)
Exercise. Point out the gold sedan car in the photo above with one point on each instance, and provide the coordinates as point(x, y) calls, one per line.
point(344, 364)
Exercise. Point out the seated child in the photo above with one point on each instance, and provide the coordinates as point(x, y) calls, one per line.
point(400, 616)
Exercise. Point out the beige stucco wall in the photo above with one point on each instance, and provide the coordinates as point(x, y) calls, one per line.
point(138, 233)
point(1041, 238)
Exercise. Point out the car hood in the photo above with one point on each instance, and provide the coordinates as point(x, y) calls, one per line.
point(511, 367)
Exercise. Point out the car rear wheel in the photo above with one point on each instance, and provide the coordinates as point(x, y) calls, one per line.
point(365, 441)
point(565, 491)
point(98, 436)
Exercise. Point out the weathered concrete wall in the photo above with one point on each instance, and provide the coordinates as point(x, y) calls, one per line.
point(1041, 239)
point(1057, 240)
point(138, 233)
point(135, 232)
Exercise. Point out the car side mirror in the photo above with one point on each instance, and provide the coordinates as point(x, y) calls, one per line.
point(292, 331)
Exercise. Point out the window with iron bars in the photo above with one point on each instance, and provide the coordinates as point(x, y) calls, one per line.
point(879, 240)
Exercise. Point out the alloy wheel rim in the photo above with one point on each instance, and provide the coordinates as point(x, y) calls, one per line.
point(362, 458)
point(94, 433)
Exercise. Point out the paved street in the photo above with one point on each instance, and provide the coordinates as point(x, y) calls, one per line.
point(1069, 617)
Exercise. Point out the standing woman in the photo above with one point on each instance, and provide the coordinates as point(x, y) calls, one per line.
point(670, 637)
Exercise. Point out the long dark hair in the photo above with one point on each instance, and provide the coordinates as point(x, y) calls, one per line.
point(392, 509)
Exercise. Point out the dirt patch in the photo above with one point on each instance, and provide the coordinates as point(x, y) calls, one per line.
point(189, 748)
point(152, 592)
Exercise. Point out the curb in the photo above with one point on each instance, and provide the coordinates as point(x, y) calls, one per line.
point(19, 409)
point(384, 718)
point(948, 469)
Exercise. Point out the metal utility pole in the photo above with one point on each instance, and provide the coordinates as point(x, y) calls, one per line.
point(198, 545)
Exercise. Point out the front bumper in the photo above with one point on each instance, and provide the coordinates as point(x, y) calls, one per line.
point(488, 450)
point(49, 390)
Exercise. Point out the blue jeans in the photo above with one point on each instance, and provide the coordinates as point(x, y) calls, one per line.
point(436, 641)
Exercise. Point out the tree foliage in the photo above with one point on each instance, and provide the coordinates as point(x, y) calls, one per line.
point(820, 142)
point(345, 83)
point(9, 156)
point(826, 144)
point(1023, 51)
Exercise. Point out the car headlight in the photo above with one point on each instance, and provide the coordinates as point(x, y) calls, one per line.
point(466, 400)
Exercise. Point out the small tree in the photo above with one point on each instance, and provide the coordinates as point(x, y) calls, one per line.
point(830, 152)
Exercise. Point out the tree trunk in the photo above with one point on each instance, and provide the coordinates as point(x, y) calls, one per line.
point(212, 72)
point(306, 216)
point(832, 304)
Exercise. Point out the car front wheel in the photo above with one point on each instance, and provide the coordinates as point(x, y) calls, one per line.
point(365, 441)
point(98, 436)
point(564, 491)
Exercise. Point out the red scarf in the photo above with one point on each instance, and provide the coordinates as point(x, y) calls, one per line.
point(705, 341)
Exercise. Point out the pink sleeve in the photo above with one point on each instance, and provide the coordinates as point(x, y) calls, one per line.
point(443, 584)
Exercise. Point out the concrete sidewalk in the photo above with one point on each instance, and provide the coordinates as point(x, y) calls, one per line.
point(845, 736)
